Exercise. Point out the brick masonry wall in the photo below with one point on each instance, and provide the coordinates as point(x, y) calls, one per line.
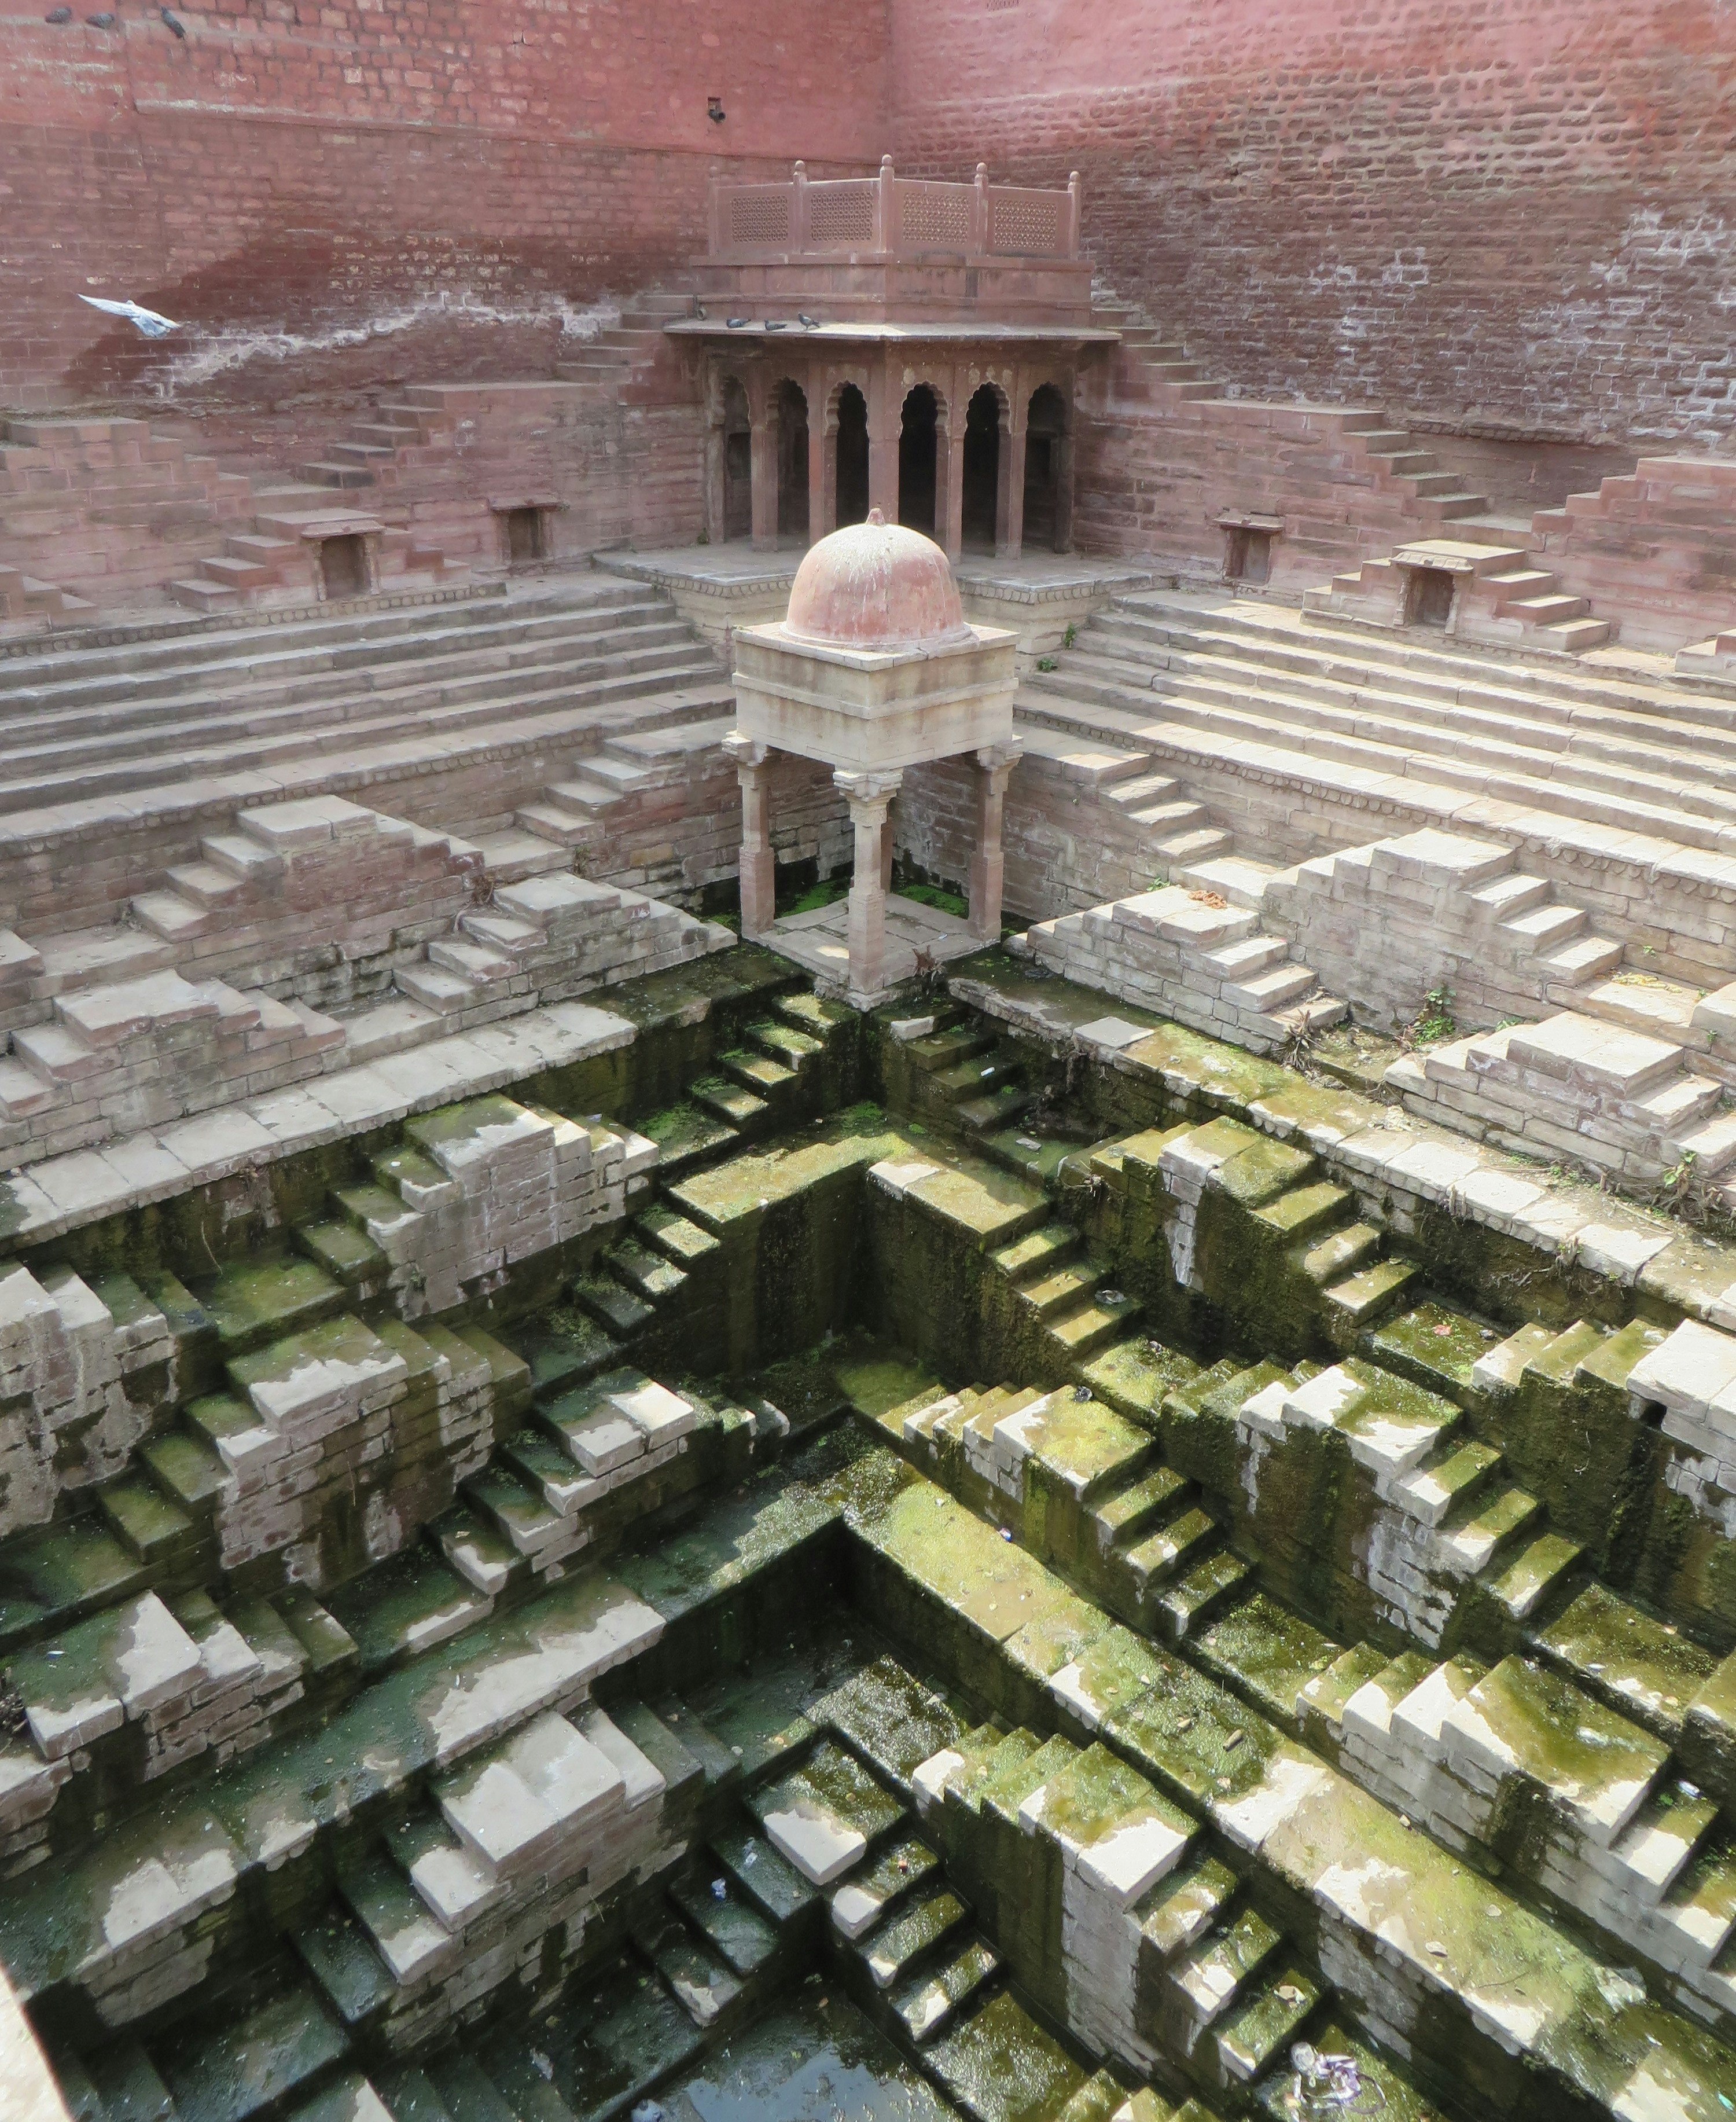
point(354, 192)
point(1516, 219)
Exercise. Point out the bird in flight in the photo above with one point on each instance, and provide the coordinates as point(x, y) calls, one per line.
point(148, 321)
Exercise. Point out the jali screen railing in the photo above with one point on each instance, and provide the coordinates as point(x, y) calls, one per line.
point(889, 216)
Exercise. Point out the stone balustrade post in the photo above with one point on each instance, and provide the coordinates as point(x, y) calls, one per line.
point(994, 763)
point(757, 870)
point(869, 797)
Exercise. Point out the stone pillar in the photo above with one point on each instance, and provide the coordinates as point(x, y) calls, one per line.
point(994, 763)
point(1010, 501)
point(870, 797)
point(714, 481)
point(951, 526)
point(885, 420)
point(826, 521)
point(822, 492)
point(758, 873)
point(763, 462)
point(1064, 481)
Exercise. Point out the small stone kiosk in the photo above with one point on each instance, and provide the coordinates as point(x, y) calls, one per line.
point(874, 669)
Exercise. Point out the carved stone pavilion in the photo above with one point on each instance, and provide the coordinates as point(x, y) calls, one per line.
point(874, 669)
point(895, 343)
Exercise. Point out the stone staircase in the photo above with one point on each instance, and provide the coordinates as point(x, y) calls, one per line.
point(1185, 952)
point(1501, 596)
point(616, 362)
point(105, 719)
point(24, 600)
point(1190, 680)
point(275, 557)
point(1455, 915)
point(1150, 368)
point(311, 906)
point(1646, 1112)
point(106, 495)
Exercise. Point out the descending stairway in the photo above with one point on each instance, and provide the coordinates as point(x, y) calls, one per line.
point(565, 659)
point(1502, 596)
point(275, 557)
point(1181, 679)
point(23, 598)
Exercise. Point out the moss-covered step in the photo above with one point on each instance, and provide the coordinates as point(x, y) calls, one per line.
point(934, 1571)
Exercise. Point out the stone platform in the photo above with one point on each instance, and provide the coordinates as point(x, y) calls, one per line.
point(1036, 597)
point(818, 941)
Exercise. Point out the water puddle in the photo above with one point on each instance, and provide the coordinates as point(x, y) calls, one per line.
point(806, 2061)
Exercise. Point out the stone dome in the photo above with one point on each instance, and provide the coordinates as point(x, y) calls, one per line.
point(876, 585)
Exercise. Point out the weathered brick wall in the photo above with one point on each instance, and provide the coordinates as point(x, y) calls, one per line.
point(1516, 217)
point(308, 186)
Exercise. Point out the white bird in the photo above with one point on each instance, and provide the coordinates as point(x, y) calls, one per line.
point(148, 321)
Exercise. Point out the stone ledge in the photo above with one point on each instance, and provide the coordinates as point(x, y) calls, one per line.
point(63, 1193)
point(118, 633)
point(1674, 1272)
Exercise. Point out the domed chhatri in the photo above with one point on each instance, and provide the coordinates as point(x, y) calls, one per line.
point(875, 669)
point(876, 585)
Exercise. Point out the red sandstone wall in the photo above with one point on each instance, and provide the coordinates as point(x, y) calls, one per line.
point(312, 181)
point(1515, 215)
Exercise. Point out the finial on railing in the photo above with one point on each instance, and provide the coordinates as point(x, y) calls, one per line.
point(979, 212)
point(1075, 201)
point(799, 172)
point(982, 174)
point(886, 208)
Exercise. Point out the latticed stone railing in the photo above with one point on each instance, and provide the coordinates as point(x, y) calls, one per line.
point(888, 216)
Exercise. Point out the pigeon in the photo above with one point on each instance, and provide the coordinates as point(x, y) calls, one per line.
point(735, 324)
point(100, 21)
point(806, 322)
point(148, 321)
point(698, 309)
point(170, 23)
point(59, 15)
point(780, 326)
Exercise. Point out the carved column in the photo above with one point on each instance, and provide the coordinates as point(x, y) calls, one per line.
point(994, 763)
point(1063, 446)
point(764, 430)
point(1010, 509)
point(821, 490)
point(884, 422)
point(826, 521)
point(714, 450)
point(951, 526)
point(763, 461)
point(870, 797)
point(758, 873)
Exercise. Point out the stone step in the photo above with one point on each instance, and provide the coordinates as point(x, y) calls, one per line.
point(564, 708)
point(1194, 1598)
point(1227, 639)
point(1581, 782)
point(281, 674)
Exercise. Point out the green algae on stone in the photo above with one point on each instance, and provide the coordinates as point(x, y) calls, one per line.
point(1267, 1653)
point(1435, 1346)
point(1001, 2067)
point(1135, 1376)
point(1645, 1668)
point(890, 1719)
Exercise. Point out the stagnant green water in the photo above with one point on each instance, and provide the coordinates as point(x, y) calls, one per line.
point(813, 2060)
